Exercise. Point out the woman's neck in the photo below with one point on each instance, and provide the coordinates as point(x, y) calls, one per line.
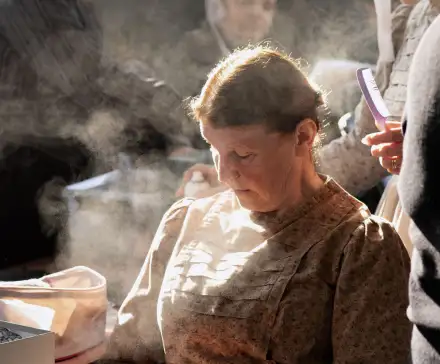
point(309, 185)
point(276, 220)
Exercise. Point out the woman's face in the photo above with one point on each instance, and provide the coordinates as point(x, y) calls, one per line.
point(247, 20)
point(264, 169)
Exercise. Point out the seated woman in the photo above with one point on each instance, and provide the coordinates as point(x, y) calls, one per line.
point(285, 266)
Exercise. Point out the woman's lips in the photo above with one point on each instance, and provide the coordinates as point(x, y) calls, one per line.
point(241, 191)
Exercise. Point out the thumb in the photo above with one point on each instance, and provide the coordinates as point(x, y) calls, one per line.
point(187, 175)
point(180, 192)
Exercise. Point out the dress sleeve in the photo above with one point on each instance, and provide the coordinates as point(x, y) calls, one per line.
point(136, 337)
point(369, 314)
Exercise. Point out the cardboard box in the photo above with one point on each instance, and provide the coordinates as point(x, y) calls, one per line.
point(35, 347)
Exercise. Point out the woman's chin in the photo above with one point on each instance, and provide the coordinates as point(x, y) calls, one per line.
point(250, 201)
point(244, 198)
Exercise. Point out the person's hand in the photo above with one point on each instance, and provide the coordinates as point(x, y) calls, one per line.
point(210, 175)
point(387, 145)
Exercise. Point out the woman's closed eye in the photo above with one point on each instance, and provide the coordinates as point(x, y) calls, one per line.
point(243, 156)
point(237, 155)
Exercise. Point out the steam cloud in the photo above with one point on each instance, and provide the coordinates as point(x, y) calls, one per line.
point(111, 231)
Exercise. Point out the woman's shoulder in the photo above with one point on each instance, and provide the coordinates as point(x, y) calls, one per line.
point(374, 228)
point(222, 201)
point(373, 238)
point(361, 228)
point(174, 217)
point(181, 208)
point(201, 46)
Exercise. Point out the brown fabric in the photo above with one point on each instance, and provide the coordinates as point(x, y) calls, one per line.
point(435, 3)
point(325, 283)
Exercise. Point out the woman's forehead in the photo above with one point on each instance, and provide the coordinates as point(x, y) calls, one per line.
point(251, 2)
point(250, 135)
point(231, 3)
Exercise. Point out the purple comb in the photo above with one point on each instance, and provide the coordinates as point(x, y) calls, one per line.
point(372, 95)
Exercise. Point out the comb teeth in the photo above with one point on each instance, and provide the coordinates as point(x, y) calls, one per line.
point(372, 95)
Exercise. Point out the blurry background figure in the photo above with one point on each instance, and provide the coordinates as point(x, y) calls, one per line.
point(420, 194)
point(360, 171)
point(312, 30)
point(228, 24)
point(387, 145)
point(237, 23)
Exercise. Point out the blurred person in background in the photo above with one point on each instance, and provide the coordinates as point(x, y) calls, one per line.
point(65, 117)
point(228, 24)
point(387, 145)
point(420, 195)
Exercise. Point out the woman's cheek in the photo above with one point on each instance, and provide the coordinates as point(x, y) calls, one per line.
point(256, 179)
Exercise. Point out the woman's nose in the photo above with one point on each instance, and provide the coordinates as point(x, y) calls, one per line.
point(253, 12)
point(221, 170)
point(225, 170)
point(256, 9)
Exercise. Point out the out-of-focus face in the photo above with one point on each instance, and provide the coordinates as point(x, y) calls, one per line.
point(264, 169)
point(247, 20)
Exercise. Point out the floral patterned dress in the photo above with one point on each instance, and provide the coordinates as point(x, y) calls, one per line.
point(324, 283)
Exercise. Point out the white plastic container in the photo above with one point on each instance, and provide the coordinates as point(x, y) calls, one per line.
point(72, 304)
point(196, 184)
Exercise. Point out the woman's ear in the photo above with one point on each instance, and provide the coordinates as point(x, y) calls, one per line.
point(306, 132)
